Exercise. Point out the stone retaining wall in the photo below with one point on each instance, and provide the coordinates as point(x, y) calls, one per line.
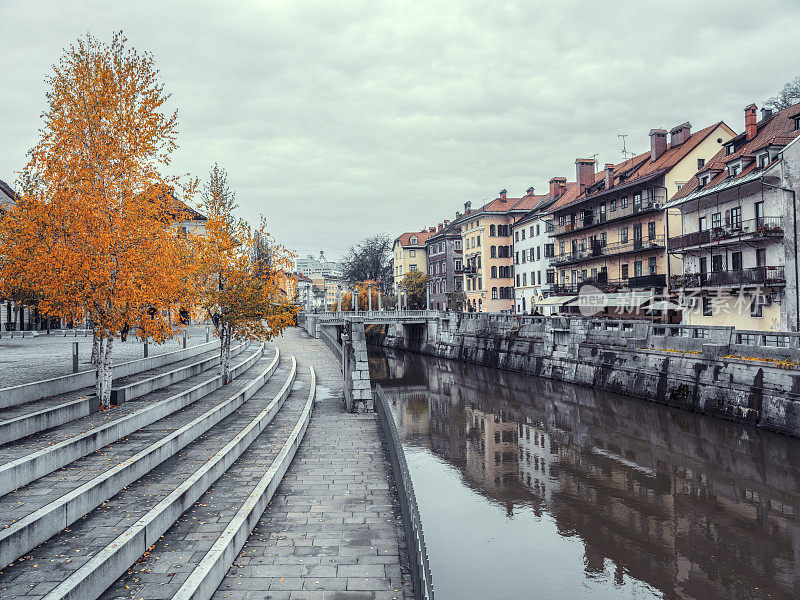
point(708, 375)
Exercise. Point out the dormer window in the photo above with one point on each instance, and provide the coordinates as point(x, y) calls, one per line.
point(730, 149)
point(733, 170)
point(763, 160)
point(702, 181)
point(413, 240)
point(797, 123)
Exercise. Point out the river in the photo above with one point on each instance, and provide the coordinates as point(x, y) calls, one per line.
point(530, 488)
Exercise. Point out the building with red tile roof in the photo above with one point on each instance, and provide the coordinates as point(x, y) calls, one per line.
point(736, 227)
point(408, 254)
point(611, 231)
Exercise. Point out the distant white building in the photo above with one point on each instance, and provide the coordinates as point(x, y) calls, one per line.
point(318, 265)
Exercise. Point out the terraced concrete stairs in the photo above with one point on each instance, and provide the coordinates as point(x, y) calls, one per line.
point(83, 500)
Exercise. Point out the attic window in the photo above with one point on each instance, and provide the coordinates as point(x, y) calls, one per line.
point(733, 170)
point(701, 162)
point(797, 123)
point(763, 160)
point(413, 240)
point(729, 149)
point(702, 182)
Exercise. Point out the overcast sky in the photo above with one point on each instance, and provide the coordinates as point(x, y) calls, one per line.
point(339, 119)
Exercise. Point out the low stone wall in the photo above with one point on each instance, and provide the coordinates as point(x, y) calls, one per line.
point(709, 375)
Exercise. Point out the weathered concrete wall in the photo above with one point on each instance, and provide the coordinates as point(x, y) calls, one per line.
point(695, 374)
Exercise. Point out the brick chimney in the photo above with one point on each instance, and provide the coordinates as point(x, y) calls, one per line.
point(658, 143)
point(441, 226)
point(529, 191)
point(431, 229)
point(679, 134)
point(584, 172)
point(467, 207)
point(447, 221)
point(750, 122)
point(609, 175)
point(503, 193)
point(557, 186)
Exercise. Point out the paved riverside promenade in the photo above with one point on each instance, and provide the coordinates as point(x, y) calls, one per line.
point(331, 531)
point(23, 360)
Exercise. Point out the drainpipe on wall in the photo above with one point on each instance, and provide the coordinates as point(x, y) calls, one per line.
point(794, 230)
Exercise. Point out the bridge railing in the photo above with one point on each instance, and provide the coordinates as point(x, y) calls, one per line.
point(412, 523)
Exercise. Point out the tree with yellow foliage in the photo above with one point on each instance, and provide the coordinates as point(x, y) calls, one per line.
point(92, 232)
point(239, 273)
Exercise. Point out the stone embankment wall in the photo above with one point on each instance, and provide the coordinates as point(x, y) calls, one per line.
point(706, 370)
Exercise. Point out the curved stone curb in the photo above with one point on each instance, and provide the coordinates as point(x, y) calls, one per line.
point(206, 577)
point(47, 418)
point(92, 578)
point(30, 467)
point(35, 528)
point(36, 390)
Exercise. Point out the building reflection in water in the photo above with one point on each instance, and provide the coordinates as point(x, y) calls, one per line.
point(695, 507)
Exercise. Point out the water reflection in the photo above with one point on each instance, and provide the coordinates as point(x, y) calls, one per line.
point(664, 503)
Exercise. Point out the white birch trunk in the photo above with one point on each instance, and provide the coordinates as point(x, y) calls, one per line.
point(225, 356)
point(95, 348)
point(104, 371)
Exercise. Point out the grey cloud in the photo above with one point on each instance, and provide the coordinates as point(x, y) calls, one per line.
point(339, 119)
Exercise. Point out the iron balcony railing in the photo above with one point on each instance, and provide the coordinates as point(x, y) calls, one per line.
point(657, 281)
point(595, 217)
point(742, 277)
point(597, 250)
point(764, 227)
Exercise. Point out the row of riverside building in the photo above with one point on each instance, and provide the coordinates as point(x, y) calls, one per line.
point(700, 230)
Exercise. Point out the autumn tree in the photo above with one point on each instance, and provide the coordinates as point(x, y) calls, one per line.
point(414, 285)
point(91, 235)
point(363, 289)
point(240, 274)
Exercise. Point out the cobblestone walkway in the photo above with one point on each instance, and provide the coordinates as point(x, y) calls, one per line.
point(331, 531)
point(23, 360)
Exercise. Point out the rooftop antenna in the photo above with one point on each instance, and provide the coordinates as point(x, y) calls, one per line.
point(625, 152)
point(594, 158)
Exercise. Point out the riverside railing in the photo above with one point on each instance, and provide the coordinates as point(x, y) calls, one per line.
point(412, 524)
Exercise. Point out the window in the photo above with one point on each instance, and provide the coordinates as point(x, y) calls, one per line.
point(624, 203)
point(716, 220)
point(458, 264)
point(761, 257)
point(702, 182)
point(613, 206)
point(522, 233)
point(458, 245)
point(412, 268)
point(478, 239)
point(494, 272)
point(516, 236)
point(736, 261)
point(717, 263)
point(493, 251)
point(413, 240)
point(532, 231)
point(524, 256)
point(758, 208)
point(763, 160)
point(624, 271)
point(480, 283)
point(701, 162)
point(736, 217)
point(518, 279)
point(525, 278)
point(796, 123)
point(756, 306)
point(651, 265)
point(412, 253)
point(516, 258)
point(733, 170)
point(703, 223)
point(651, 230)
point(538, 252)
point(729, 149)
point(602, 239)
point(551, 276)
point(561, 247)
point(707, 307)
point(637, 268)
point(561, 221)
point(537, 229)
point(623, 235)
point(637, 202)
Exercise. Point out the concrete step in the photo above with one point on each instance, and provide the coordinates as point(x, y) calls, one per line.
point(22, 420)
point(33, 457)
point(113, 536)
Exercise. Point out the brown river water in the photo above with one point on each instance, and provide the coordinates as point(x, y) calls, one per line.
point(530, 488)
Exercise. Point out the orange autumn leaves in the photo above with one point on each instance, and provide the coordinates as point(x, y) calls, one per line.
point(93, 235)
